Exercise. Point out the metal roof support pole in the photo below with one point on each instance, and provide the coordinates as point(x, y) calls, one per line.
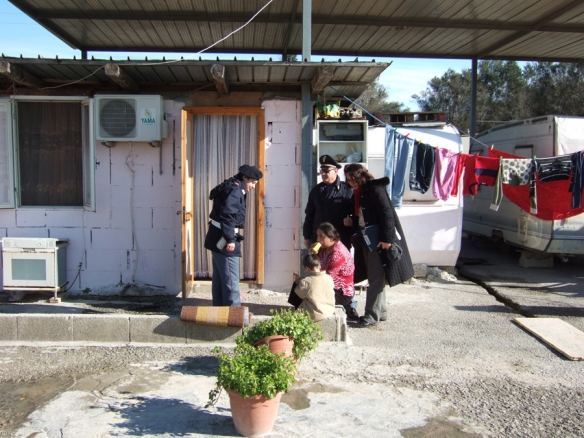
point(473, 100)
point(306, 30)
point(307, 176)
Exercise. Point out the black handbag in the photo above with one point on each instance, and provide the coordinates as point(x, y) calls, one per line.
point(293, 298)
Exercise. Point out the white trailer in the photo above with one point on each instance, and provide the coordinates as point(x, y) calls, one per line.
point(545, 136)
point(433, 227)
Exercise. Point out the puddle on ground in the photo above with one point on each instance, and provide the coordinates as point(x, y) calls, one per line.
point(297, 398)
point(438, 428)
point(19, 400)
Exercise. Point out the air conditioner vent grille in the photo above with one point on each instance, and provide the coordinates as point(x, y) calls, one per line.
point(117, 118)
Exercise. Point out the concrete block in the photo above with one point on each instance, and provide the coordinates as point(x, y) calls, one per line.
point(121, 176)
point(97, 279)
point(143, 217)
point(281, 110)
point(64, 218)
point(101, 218)
point(43, 327)
point(103, 169)
point(160, 279)
point(165, 218)
point(530, 259)
point(28, 232)
point(286, 133)
point(277, 239)
point(154, 196)
point(286, 196)
point(160, 261)
point(144, 174)
point(282, 259)
point(281, 154)
point(75, 238)
point(8, 218)
point(209, 333)
point(282, 218)
point(153, 239)
point(106, 260)
point(157, 329)
point(167, 179)
point(31, 218)
point(101, 328)
point(334, 329)
point(119, 238)
point(8, 327)
point(282, 176)
point(280, 281)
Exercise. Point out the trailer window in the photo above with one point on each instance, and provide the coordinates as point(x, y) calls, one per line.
point(525, 151)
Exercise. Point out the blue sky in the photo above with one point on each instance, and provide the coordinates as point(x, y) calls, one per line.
point(20, 35)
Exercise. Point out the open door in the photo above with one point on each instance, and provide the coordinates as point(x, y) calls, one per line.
point(216, 141)
point(188, 239)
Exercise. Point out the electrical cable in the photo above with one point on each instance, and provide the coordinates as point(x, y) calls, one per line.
point(174, 60)
point(134, 241)
point(74, 82)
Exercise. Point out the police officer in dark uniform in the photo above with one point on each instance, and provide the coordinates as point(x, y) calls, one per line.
point(225, 233)
point(330, 201)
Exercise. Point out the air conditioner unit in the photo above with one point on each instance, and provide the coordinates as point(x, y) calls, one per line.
point(130, 118)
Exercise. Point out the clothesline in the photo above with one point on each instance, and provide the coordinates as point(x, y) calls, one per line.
point(549, 188)
point(442, 169)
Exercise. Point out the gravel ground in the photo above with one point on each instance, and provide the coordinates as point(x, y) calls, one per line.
point(449, 362)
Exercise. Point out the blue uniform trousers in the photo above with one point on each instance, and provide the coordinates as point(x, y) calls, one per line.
point(225, 285)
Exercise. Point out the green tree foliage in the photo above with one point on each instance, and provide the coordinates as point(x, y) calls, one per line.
point(555, 88)
point(502, 92)
point(449, 93)
point(374, 100)
point(505, 92)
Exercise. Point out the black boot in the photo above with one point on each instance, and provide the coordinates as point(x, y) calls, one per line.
point(352, 314)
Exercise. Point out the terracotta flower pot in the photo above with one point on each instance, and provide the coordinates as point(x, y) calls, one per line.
point(278, 344)
point(254, 416)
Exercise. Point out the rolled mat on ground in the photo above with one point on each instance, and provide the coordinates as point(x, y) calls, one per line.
point(219, 315)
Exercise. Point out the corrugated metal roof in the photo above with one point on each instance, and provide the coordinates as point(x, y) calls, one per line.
point(502, 29)
point(350, 78)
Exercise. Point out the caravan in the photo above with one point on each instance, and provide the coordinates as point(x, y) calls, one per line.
point(432, 226)
point(545, 136)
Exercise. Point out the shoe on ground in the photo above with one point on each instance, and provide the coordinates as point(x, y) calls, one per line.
point(366, 323)
point(352, 315)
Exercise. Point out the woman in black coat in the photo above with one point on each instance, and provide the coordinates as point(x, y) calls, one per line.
point(373, 207)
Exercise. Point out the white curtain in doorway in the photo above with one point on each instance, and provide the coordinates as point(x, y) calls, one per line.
point(222, 143)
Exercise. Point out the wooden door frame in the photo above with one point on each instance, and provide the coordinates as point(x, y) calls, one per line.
point(187, 279)
point(260, 210)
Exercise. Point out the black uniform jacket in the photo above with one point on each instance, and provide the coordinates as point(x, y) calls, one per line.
point(329, 205)
point(377, 209)
point(229, 210)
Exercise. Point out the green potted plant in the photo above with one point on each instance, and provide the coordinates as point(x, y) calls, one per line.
point(255, 379)
point(296, 325)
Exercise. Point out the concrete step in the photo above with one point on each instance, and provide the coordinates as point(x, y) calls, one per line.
point(130, 328)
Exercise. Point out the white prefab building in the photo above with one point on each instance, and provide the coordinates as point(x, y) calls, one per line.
point(124, 177)
point(432, 226)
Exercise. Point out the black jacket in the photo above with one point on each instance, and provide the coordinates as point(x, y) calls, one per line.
point(329, 205)
point(229, 210)
point(377, 209)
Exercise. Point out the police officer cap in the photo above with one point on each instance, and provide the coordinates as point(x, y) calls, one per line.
point(327, 160)
point(250, 171)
